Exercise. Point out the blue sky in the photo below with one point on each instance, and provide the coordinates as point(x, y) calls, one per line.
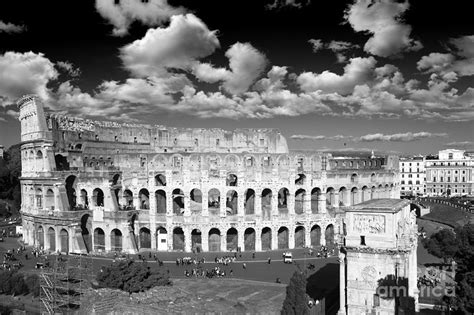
point(362, 74)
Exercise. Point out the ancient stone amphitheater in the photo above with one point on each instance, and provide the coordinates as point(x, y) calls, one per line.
point(96, 186)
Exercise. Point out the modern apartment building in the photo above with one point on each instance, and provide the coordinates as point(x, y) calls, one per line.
point(412, 176)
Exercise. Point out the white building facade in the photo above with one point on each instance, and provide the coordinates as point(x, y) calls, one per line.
point(412, 176)
point(452, 174)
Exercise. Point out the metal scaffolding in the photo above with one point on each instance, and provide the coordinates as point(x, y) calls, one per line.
point(64, 283)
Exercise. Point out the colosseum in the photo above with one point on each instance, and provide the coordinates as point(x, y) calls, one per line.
point(101, 186)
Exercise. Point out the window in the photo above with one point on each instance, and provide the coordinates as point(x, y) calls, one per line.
point(441, 179)
point(403, 175)
point(116, 2)
point(362, 240)
point(196, 142)
point(417, 182)
point(248, 161)
point(96, 137)
point(434, 179)
point(116, 138)
point(217, 142)
point(403, 182)
point(176, 161)
point(262, 142)
point(175, 141)
point(266, 161)
point(135, 139)
point(450, 156)
point(142, 161)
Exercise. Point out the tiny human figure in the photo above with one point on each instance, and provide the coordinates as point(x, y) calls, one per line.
point(253, 255)
point(244, 265)
point(269, 260)
point(278, 280)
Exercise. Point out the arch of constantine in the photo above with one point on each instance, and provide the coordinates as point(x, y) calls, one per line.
point(94, 186)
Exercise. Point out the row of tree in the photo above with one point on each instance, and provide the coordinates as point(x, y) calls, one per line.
point(10, 172)
point(17, 283)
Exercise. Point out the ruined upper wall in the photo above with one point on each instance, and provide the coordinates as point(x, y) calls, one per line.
point(70, 131)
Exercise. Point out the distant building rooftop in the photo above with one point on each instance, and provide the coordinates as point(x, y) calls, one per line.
point(379, 205)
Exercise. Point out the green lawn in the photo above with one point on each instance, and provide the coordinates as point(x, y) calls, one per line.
point(448, 215)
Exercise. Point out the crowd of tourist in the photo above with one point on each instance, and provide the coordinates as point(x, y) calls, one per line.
point(215, 272)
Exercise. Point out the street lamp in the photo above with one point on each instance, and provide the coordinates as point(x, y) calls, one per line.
point(397, 263)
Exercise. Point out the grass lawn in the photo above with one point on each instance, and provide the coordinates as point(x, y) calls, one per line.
point(448, 215)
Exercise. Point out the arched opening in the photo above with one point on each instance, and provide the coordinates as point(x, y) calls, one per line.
point(354, 178)
point(178, 239)
point(232, 239)
point(116, 180)
point(178, 202)
point(99, 240)
point(144, 199)
point(386, 192)
point(417, 209)
point(283, 237)
point(145, 238)
point(283, 200)
point(315, 196)
point(249, 239)
point(343, 196)
point(39, 198)
point(214, 240)
point(160, 180)
point(62, 163)
point(249, 203)
point(231, 180)
point(330, 197)
point(299, 201)
point(39, 155)
point(266, 238)
point(266, 202)
point(315, 235)
point(300, 240)
point(52, 239)
point(214, 201)
point(86, 226)
point(196, 200)
point(116, 240)
point(160, 196)
point(231, 202)
point(300, 179)
point(372, 177)
point(365, 194)
point(379, 192)
point(354, 196)
point(128, 199)
point(98, 197)
point(71, 191)
point(40, 237)
point(49, 200)
point(161, 239)
point(196, 240)
point(329, 236)
point(64, 241)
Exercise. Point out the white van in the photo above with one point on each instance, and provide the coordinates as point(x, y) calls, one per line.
point(287, 257)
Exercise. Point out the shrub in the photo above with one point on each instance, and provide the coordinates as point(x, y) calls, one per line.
point(132, 276)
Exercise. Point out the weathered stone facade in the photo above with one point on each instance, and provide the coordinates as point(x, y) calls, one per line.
point(104, 186)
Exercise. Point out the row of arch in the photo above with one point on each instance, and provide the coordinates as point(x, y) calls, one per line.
point(214, 237)
point(47, 239)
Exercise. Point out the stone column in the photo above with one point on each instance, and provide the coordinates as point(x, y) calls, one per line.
point(187, 204)
point(152, 218)
point(223, 203)
point(136, 200)
point(322, 203)
point(336, 199)
point(205, 240)
point(307, 236)
point(274, 239)
point(342, 284)
point(169, 202)
point(58, 239)
point(274, 208)
point(307, 202)
point(187, 240)
point(258, 240)
point(323, 236)
point(240, 203)
point(258, 203)
point(71, 232)
point(290, 202)
point(223, 241)
point(291, 237)
point(205, 204)
point(241, 239)
point(108, 241)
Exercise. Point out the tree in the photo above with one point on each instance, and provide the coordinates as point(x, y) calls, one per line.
point(442, 244)
point(296, 301)
point(132, 276)
point(33, 284)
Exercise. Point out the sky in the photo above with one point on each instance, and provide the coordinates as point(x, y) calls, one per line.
point(383, 75)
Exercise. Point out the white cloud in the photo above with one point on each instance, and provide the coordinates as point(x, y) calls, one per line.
point(121, 15)
point(25, 73)
point(460, 144)
point(246, 64)
point(358, 71)
point(279, 4)
point(179, 46)
point(400, 137)
point(381, 19)
point(338, 47)
point(11, 28)
point(69, 68)
point(13, 114)
point(320, 137)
